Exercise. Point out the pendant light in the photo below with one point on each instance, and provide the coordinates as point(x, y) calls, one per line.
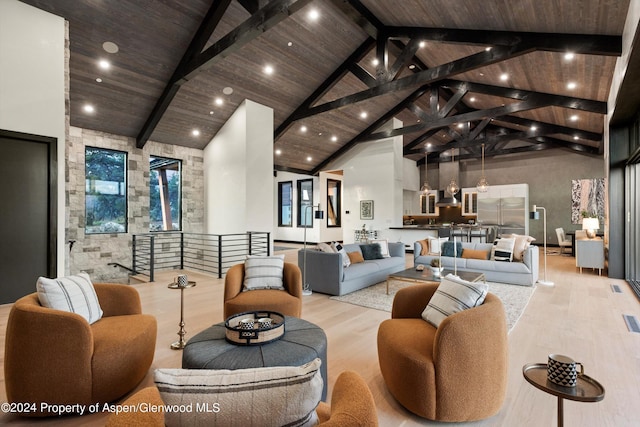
point(425, 185)
point(453, 186)
point(483, 185)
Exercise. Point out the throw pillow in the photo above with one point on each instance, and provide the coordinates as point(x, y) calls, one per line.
point(475, 254)
point(503, 249)
point(337, 247)
point(273, 396)
point(324, 247)
point(371, 251)
point(263, 272)
point(355, 257)
point(453, 296)
point(521, 244)
point(384, 247)
point(74, 294)
point(448, 249)
point(424, 247)
point(435, 244)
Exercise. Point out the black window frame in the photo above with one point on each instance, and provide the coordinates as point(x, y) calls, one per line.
point(180, 198)
point(338, 208)
point(281, 184)
point(301, 204)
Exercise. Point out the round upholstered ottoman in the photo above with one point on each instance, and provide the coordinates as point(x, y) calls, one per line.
point(301, 343)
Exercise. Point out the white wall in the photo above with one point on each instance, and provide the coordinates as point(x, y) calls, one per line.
point(295, 233)
point(32, 84)
point(238, 173)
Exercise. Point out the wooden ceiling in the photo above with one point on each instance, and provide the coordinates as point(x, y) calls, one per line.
point(440, 63)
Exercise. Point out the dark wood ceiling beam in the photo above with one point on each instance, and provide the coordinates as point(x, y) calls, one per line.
point(555, 100)
point(281, 168)
point(553, 128)
point(403, 59)
point(329, 83)
point(480, 127)
point(382, 55)
point(202, 35)
point(431, 75)
point(453, 101)
point(408, 148)
point(363, 75)
point(588, 44)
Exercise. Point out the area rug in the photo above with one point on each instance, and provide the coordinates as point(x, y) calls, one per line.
point(514, 298)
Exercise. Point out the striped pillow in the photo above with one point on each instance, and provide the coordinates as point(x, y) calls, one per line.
point(74, 294)
point(503, 249)
point(452, 296)
point(273, 396)
point(263, 272)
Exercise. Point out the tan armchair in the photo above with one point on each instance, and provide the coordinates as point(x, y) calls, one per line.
point(287, 302)
point(352, 405)
point(57, 357)
point(455, 373)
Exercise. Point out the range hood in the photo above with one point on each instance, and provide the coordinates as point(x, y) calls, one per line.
point(446, 200)
point(448, 171)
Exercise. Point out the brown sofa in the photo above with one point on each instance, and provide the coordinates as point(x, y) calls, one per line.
point(287, 302)
point(57, 357)
point(455, 373)
point(352, 405)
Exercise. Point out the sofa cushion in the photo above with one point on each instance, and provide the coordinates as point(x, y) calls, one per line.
point(339, 248)
point(424, 247)
point(360, 270)
point(74, 294)
point(452, 296)
point(435, 244)
point(263, 272)
point(273, 396)
point(521, 244)
point(371, 251)
point(325, 247)
point(355, 257)
point(448, 249)
point(384, 247)
point(475, 254)
point(503, 249)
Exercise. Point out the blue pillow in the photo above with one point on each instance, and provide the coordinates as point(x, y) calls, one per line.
point(447, 249)
point(371, 251)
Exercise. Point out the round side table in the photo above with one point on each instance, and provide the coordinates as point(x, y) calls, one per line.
point(586, 390)
point(179, 345)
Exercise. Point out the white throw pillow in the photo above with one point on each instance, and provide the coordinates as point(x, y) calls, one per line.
point(337, 247)
point(263, 272)
point(452, 296)
point(74, 294)
point(522, 243)
point(273, 396)
point(503, 249)
point(435, 244)
point(324, 247)
point(384, 247)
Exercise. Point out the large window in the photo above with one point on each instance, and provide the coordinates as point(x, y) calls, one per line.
point(105, 191)
point(333, 203)
point(285, 202)
point(305, 199)
point(165, 197)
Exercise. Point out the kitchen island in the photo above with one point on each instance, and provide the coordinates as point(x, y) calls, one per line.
point(408, 234)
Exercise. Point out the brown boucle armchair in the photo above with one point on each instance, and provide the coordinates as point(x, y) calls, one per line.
point(352, 405)
point(455, 373)
point(57, 357)
point(287, 302)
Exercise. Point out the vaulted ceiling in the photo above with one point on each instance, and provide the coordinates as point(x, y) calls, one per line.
point(514, 75)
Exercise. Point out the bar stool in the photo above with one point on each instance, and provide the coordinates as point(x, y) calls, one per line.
point(480, 233)
point(463, 233)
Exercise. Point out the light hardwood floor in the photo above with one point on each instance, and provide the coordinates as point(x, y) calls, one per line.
point(580, 316)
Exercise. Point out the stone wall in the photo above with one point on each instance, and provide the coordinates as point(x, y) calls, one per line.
point(92, 253)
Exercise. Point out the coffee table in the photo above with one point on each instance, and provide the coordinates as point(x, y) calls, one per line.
point(301, 343)
point(586, 390)
point(426, 276)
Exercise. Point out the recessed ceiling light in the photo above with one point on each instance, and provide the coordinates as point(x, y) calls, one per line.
point(104, 64)
point(363, 115)
point(211, 113)
point(99, 80)
point(219, 101)
point(110, 47)
point(472, 99)
point(418, 121)
point(314, 14)
point(309, 158)
point(268, 69)
point(571, 85)
point(487, 49)
point(481, 74)
point(576, 137)
point(504, 77)
point(460, 125)
point(534, 128)
point(195, 132)
point(375, 61)
point(334, 138)
point(573, 118)
point(278, 152)
point(88, 108)
point(303, 128)
point(319, 133)
point(428, 144)
point(569, 56)
point(290, 44)
point(422, 44)
point(412, 66)
point(227, 90)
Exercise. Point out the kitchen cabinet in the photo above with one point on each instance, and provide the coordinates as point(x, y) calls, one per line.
point(469, 202)
point(428, 203)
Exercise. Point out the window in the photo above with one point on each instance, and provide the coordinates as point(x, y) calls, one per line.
point(165, 197)
point(305, 198)
point(333, 203)
point(105, 191)
point(284, 203)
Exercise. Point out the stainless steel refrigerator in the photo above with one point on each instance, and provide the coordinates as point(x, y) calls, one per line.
point(505, 215)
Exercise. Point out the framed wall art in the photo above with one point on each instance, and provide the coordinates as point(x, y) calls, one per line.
point(366, 209)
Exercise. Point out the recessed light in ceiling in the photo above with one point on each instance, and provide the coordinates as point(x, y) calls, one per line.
point(211, 113)
point(576, 137)
point(428, 144)
point(460, 125)
point(303, 128)
point(574, 118)
point(104, 64)
point(571, 85)
point(219, 101)
point(290, 44)
point(268, 70)
point(110, 47)
point(534, 128)
point(418, 121)
point(487, 49)
point(99, 80)
point(314, 14)
point(195, 132)
point(334, 138)
point(472, 99)
point(504, 77)
point(88, 108)
point(278, 152)
point(227, 90)
point(422, 44)
point(309, 158)
point(363, 115)
point(412, 66)
point(569, 56)
point(375, 62)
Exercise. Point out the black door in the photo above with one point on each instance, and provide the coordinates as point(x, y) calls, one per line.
point(27, 213)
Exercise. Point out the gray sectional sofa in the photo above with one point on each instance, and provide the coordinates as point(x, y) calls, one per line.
point(326, 274)
point(516, 272)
